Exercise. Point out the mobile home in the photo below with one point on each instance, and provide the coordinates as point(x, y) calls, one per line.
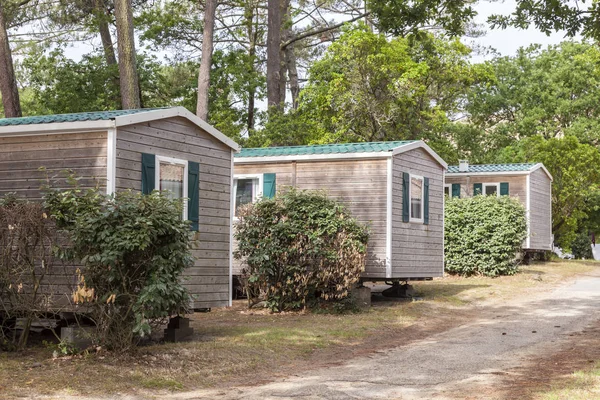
point(395, 187)
point(141, 150)
point(531, 183)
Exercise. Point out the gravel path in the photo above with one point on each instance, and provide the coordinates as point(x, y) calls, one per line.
point(452, 364)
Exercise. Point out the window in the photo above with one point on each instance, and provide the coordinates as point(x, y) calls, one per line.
point(172, 177)
point(491, 189)
point(447, 190)
point(246, 189)
point(416, 198)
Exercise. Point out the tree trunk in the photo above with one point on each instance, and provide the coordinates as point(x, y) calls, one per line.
point(290, 58)
point(252, 37)
point(274, 21)
point(103, 29)
point(130, 88)
point(206, 62)
point(286, 34)
point(8, 81)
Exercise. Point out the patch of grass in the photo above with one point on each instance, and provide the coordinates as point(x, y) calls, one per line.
point(581, 385)
point(236, 345)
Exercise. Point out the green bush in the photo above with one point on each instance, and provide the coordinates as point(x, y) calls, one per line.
point(133, 250)
point(483, 234)
point(582, 247)
point(298, 247)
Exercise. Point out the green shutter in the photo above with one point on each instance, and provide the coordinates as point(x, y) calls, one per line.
point(477, 188)
point(426, 201)
point(194, 194)
point(269, 186)
point(148, 173)
point(405, 199)
point(503, 188)
point(456, 190)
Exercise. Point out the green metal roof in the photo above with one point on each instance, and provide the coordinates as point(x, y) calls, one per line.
point(338, 148)
point(523, 167)
point(76, 117)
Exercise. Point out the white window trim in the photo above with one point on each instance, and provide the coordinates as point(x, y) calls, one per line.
point(422, 219)
point(449, 186)
point(258, 191)
point(496, 184)
point(175, 161)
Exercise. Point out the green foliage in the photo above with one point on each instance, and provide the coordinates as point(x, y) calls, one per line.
point(134, 249)
point(483, 235)
point(582, 247)
point(549, 92)
point(402, 17)
point(573, 166)
point(369, 88)
point(297, 246)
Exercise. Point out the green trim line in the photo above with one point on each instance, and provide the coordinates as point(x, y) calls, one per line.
point(337, 148)
point(523, 167)
point(76, 117)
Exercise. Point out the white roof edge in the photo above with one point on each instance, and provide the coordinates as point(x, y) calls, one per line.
point(420, 144)
point(455, 174)
point(540, 165)
point(153, 115)
point(55, 128)
point(312, 157)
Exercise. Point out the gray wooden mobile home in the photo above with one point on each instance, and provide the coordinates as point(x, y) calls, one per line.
point(395, 187)
point(143, 150)
point(531, 183)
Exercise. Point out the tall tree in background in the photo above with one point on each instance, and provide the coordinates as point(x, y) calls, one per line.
point(210, 9)
point(130, 89)
point(274, 23)
point(8, 81)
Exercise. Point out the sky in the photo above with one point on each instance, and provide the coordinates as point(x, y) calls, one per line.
point(507, 41)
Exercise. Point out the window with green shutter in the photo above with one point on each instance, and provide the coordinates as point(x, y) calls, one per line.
point(477, 189)
point(456, 190)
point(269, 185)
point(194, 195)
point(148, 173)
point(504, 189)
point(405, 197)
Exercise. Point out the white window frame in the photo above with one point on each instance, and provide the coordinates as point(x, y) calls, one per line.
point(258, 189)
point(422, 219)
point(449, 186)
point(175, 161)
point(496, 184)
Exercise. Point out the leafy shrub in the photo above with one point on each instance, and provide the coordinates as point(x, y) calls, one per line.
point(581, 247)
point(133, 249)
point(483, 234)
point(27, 240)
point(297, 247)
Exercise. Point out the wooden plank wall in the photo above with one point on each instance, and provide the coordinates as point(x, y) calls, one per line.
point(176, 137)
point(540, 211)
point(418, 249)
point(21, 158)
point(517, 185)
point(360, 184)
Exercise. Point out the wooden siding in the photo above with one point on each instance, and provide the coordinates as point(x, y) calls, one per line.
point(176, 137)
point(22, 157)
point(361, 184)
point(418, 249)
point(540, 213)
point(517, 185)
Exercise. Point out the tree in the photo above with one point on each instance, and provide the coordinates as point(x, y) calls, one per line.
point(130, 89)
point(553, 15)
point(207, 50)
point(8, 80)
point(369, 88)
point(576, 178)
point(550, 92)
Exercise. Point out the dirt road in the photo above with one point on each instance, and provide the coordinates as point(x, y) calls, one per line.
point(465, 362)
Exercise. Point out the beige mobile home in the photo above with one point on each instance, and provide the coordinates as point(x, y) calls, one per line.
point(142, 150)
point(531, 183)
point(395, 187)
